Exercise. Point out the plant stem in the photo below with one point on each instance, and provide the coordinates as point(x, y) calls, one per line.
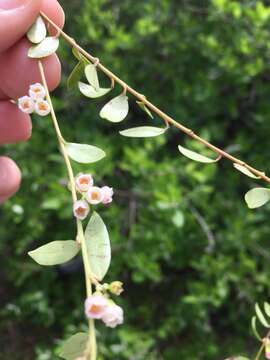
point(160, 113)
point(80, 232)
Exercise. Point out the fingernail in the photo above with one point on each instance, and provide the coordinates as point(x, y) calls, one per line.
point(12, 4)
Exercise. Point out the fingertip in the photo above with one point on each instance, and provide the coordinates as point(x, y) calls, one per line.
point(10, 178)
point(55, 12)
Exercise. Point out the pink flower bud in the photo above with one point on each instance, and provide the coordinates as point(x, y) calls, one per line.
point(81, 209)
point(37, 91)
point(94, 195)
point(113, 316)
point(84, 182)
point(42, 107)
point(26, 104)
point(267, 348)
point(95, 306)
point(107, 194)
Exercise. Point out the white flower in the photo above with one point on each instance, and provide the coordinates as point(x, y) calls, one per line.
point(42, 107)
point(26, 104)
point(95, 306)
point(84, 182)
point(94, 195)
point(37, 91)
point(81, 209)
point(113, 316)
point(107, 194)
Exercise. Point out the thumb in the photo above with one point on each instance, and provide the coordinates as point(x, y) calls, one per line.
point(16, 17)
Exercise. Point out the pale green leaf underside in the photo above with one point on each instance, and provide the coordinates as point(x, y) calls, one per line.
point(254, 327)
point(145, 108)
point(267, 309)
point(90, 92)
point(98, 246)
point(74, 347)
point(116, 110)
point(80, 56)
point(261, 316)
point(143, 131)
point(55, 253)
point(92, 76)
point(195, 156)
point(38, 31)
point(84, 154)
point(47, 47)
point(245, 171)
point(75, 75)
point(257, 197)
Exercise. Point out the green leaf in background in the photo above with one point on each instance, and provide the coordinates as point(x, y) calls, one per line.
point(47, 47)
point(91, 92)
point(92, 76)
point(195, 156)
point(55, 253)
point(261, 316)
point(38, 31)
point(74, 347)
point(84, 154)
point(143, 131)
point(98, 246)
point(115, 110)
point(145, 108)
point(257, 197)
point(254, 327)
point(245, 171)
point(75, 75)
point(267, 309)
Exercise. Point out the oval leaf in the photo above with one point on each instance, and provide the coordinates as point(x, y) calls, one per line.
point(267, 309)
point(257, 197)
point(55, 253)
point(254, 327)
point(98, 246)
point(145, 109)
point(38, 31)
point(80, 56)
point(91, 92)
point(74, 347)
point(116, 110)
point(84, 154)
point(75, 75)
point(92, 76)
point(47, 47)
point(143, 131)
point(261, 316)
point(245, 171)
point(195, 156)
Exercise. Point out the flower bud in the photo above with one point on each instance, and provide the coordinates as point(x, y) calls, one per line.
point(95, 306)
point(37, 91)
point(94, 195)
point(267, 348)
point(81, 209)
point(107, 194)
point(42, 107)
point(84, 182)
point(26, 104)
point(116, 288)
point(113, 315)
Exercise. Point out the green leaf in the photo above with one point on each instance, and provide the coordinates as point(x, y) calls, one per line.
point(261, 316)
point(116, 110)
point(195, 156)
point(143, 131)
point(98, 246)
point(145, 109)
point(257, 197)
point(84, 154)
point(75, 75)
point(38, 31)
point(80, 56)
point(267, 309)
point(47, 47)
point(254, 327)
point(92, 76)
point(74, 347)
point(55, 253)
point(245, 171)
point(91, 92)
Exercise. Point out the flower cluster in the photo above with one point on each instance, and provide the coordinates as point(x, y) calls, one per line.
point(91, 194)
point(35, 101)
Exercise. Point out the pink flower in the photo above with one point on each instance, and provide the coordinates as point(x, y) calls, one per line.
point(81, 209)
point(84, 182)
point(107, 194)
point(94, 195)
point(37, 91)
point(113, 316)
point(42, 107)
point(26, 104)
point(95, 306)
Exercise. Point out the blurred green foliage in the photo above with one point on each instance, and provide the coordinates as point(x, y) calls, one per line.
point(193, 258)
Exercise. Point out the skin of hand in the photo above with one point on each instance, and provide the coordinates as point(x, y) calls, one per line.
point(17, 73)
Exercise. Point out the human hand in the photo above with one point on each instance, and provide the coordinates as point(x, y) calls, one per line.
point(17, 73)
